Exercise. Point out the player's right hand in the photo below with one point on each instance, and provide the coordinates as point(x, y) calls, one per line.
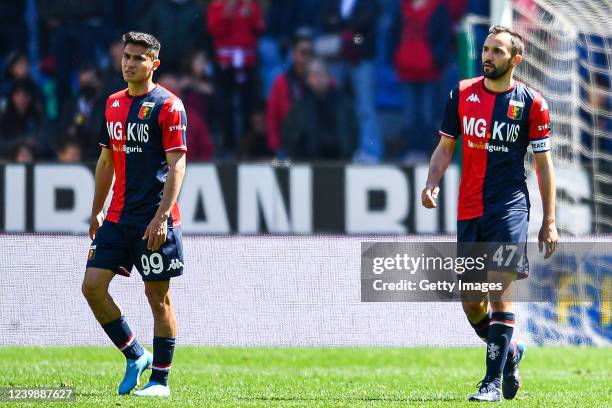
point(95, 223)
point(429, 196)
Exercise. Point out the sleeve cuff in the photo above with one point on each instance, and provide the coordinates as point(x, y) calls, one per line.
point(447, 135)
point(177, 149)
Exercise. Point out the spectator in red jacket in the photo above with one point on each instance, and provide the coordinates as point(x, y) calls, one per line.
point(288, 87)
point(235, 26)
point(424, 30)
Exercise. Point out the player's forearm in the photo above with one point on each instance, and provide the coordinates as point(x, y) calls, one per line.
point(104, 181)
point(176, 173)
point(548, 189)
point(440, 160)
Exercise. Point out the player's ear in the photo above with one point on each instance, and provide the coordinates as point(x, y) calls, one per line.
point(156, 63)
point(517, 59)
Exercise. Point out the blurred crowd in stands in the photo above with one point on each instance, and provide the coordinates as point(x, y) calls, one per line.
point(349, 80)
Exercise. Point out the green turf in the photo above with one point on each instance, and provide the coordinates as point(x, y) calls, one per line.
point(313, 377)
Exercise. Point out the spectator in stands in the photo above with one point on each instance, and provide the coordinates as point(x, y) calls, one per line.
point(13, 31)
point(21, 121)
point(195, 83)
point(322, 124)
point(177, 24)
point(25, 153)
point(82, 114)
point(69, 151)
point(424, 31)
point(78, 33)
point(255, 142)
point(457, 9)
point(124, 12)
point(348, 41)
point(199, 141)
point(282, 19)
point(272, 46)
point(112, 77)
point(288, 87)
point(235, 26)
point(18, 70)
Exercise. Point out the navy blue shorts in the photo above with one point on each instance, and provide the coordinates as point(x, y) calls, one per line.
point(508, 228)
point(120, 247)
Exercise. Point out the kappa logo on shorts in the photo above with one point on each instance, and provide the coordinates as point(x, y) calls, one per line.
point(92, 253)
point(175, 264)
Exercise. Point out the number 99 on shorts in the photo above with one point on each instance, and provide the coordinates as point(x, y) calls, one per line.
point(153, 263)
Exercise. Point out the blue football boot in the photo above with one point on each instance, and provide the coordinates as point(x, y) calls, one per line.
point(133, 370)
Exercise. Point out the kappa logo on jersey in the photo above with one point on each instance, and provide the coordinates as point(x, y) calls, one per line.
point(145, 110)
point(177, 106)
point(175, 264)
point(473, 98)
point(515, 109)
point(115, 104)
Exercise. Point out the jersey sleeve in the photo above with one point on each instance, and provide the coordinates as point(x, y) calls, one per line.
point(450, 121)
point(173, 124)
point(539, 125)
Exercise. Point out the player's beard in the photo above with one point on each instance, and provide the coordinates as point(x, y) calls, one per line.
point(498, 72)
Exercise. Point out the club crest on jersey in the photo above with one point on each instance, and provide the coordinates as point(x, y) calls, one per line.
point(145, 110)
point(515, 109)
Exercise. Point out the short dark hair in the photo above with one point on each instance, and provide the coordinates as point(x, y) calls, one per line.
point(146, 40)
point(65, 142)
point(301, 34)
point(517, 41)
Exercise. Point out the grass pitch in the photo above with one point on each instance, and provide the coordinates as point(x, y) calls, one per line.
point(314, 377)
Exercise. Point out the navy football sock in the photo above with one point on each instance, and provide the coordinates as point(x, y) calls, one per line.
point(482, 327)
point(163, 350)
point(482, 330)
point(122, 337)
point(498, 343)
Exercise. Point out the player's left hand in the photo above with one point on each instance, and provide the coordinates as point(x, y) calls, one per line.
point(548, 237)
point(156, 233)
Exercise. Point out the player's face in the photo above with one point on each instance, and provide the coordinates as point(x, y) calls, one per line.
point(136, 64)
point(497, 59)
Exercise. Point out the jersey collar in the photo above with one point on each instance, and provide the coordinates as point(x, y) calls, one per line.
point(487, 90)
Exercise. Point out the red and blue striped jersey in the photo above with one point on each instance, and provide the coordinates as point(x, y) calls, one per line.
point(139, 130)
point(496, 129)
